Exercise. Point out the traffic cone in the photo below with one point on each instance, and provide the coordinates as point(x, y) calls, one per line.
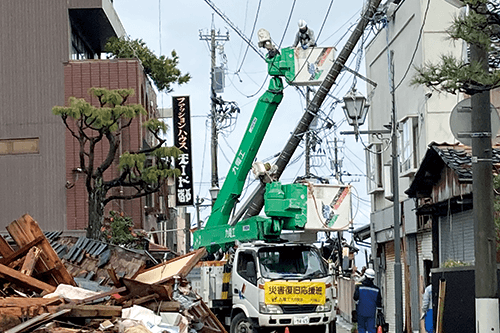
point(379, 329)
point(287, 330)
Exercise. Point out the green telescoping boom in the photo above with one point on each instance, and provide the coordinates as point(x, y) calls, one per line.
point(285, 205)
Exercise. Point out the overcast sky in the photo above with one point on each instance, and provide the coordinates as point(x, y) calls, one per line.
point(176, 25)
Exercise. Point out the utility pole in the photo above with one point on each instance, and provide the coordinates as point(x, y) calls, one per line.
point(338, 170)
point(198, 203)
point(255, 204)
point(308, 142)
point(214, 38)
point(487, 316)
point(398, 277)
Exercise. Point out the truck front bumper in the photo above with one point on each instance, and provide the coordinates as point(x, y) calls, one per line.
point(309, 319)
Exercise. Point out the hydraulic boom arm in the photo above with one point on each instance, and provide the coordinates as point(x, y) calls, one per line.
point(217, 231)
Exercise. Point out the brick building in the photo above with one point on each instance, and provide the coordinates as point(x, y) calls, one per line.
point(80, 76)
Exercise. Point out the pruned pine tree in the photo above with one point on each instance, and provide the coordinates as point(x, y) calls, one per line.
point(99, 127)
point(478, 25)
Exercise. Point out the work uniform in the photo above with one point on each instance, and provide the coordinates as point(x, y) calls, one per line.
point(305, 38)
point(427, 309)
point(368, 300)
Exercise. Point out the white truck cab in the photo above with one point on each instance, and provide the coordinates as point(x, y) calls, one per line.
point(273, 286)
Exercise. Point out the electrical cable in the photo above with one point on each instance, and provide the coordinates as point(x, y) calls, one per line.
point(244, 25)
point(327, 38)
point(416, 46)
point(251, 34)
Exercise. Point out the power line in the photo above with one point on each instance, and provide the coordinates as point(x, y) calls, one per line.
point(416, 46)
point(251, 34)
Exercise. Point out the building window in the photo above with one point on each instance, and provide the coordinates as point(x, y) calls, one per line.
point(374, 168)
point(408, 144)
point(79, 49)
point(19, 146)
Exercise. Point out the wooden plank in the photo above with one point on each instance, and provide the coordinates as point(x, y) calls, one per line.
point(25, 230)
point(19, 232)
point(26, 301)
point(28, 311)
point(139, 289)
point(202, 312)
point(114, 277)
point(16, 264)
point(63, 275)
point(5, 248)
point(27, 281)
point(180, 266)
point(101, 295)
point(168, 306)
point(140, 300)
point(30, 261)
point(33, 322)
point(21, 252)
point(92, 311)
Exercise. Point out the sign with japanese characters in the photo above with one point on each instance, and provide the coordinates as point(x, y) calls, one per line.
point(182, 139)
point(286, 292)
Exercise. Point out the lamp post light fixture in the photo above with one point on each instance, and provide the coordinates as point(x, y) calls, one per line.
point(355, 109)
point(214, 192)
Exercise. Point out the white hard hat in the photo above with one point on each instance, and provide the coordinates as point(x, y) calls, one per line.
point(370, 273)
point(302, 24)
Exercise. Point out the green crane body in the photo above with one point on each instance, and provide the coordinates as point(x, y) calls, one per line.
point(285, 205)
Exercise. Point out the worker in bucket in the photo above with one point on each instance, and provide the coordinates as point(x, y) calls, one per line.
point(368, 301)
point(427, 308)
point(305, 36)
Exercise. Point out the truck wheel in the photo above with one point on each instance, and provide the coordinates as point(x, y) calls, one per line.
point(332, 327)
point(241, 324)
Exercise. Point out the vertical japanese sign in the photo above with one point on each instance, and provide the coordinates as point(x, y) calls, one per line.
point(182, 140)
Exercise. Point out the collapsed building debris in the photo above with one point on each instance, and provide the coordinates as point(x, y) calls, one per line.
point(68, 284)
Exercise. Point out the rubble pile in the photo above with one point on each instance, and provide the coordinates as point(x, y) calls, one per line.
point(81, 285)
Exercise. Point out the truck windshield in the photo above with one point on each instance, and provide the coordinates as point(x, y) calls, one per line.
point(291, 262)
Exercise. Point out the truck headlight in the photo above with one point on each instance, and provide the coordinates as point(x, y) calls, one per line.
point(327, 307)
point(269, 309)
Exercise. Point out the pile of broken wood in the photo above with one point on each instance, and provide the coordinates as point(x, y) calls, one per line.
point(40, 295)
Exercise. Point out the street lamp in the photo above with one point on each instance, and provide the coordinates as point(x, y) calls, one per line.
point(355, 109)
point(214, 192)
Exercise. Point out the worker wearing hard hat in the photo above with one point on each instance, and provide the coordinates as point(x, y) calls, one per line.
point(368, 301)
point(305, 36)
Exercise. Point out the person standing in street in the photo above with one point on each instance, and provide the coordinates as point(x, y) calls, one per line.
point(368, 301)
point(305, 36)
point(427, 309)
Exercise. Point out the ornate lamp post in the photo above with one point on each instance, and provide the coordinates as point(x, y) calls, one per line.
point(355, 110)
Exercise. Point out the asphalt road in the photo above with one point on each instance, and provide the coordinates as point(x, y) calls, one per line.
point(343, 326)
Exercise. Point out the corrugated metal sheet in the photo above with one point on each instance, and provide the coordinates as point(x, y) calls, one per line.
point(390, 300)
point(425, 246)
point(456, 233)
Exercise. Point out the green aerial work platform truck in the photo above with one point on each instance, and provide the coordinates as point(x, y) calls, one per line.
point(267, 284)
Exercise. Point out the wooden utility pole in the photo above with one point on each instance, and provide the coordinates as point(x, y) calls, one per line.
point(398, 275)
point(307, 144)
point(214, 38)
point(486, 287)
point(254, 206)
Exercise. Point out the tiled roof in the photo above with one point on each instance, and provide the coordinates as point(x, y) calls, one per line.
point(458, 158)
